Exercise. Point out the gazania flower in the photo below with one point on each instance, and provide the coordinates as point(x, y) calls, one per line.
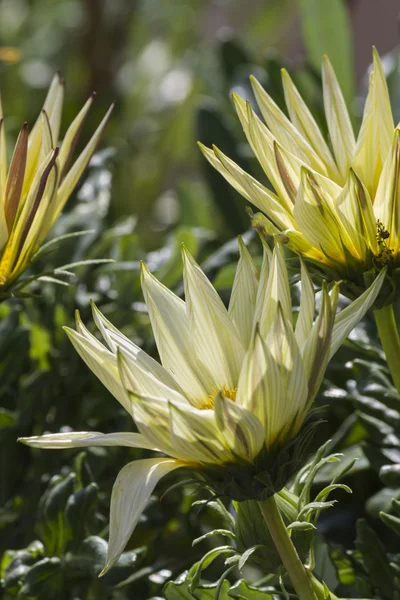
point(233, 387)
point(336, 203)
point(37, 183)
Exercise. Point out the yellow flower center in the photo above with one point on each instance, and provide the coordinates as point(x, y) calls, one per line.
point(227, 392)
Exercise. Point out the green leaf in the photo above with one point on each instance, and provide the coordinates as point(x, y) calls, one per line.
point(51, 513)
point(179, 590)
point(390, 475)
point(194, 574)
point(301, 526)
point(382, 501)
point(375, 559)
point(223, 532)
point(391, 521)
point(246, 555)
point(315, 506)
point(243, 591)
point(327, 30)
point(78, 510)
point(44, 574)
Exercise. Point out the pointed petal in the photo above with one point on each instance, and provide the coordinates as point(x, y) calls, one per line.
point(248, 187)
point(350, 316)
point(82, 439)
point(377, 128)
point(3, 175)
point(307, 307)
point(317, 347)
point(195, 436)
point(356, 214)
point(52, 106)
point(302, 118)
point(71, 137)
point(131, 492)
point(102, 363)
point(213, 335)
point(26, 227)
point(285, 132)
point(262, 143)
point(74, 174)
point(242, 431)
point(3, 156)
point(244, 292)
point(262, 285)
point(143, 382)
point(282, 344)
point(261, 389)
point(147, 367)
point(387, 201)
point(337, 116)
point(170, 326)
point(28, 233)
point(47, 139)
point(152, 418)
point(317, 218)
point(15, 179)
point(277, 292)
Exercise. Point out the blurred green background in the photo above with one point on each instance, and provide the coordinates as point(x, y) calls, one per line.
point(170, 67)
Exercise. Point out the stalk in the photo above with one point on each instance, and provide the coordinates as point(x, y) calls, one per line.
point(298, 575)
point(389, 336)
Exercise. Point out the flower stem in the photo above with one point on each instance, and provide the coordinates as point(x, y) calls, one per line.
point(298, 575)
point(389, 336)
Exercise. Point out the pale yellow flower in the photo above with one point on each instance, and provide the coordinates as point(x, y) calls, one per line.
point(234, 384)
point(335, 203)
point(37, 183)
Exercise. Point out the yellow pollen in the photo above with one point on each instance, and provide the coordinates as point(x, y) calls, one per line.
point(227, 392)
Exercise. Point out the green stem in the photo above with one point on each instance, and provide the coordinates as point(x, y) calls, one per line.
point(389, 336)
point(298, 575)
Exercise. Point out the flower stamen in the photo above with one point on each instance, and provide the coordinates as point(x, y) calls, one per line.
point(229, 393)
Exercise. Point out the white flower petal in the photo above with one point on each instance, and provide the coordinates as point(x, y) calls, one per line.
point(244, 292)
point(277, 292)
point(195, 436)
point(302, 118)
point(387, 200)
point(261, 389)
point(143, 382)
point(213, 335)
point(356, 213)
point(307, 307)
point(103, 364)
point(284, 131)
point(170, 327)
point(242, 430)
point(377, 128)
point(282, 344)
point(337, 116)
point(82, 439)
point(131, 492)
point(148, 367)
point(316, 348)
point(249, 187)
